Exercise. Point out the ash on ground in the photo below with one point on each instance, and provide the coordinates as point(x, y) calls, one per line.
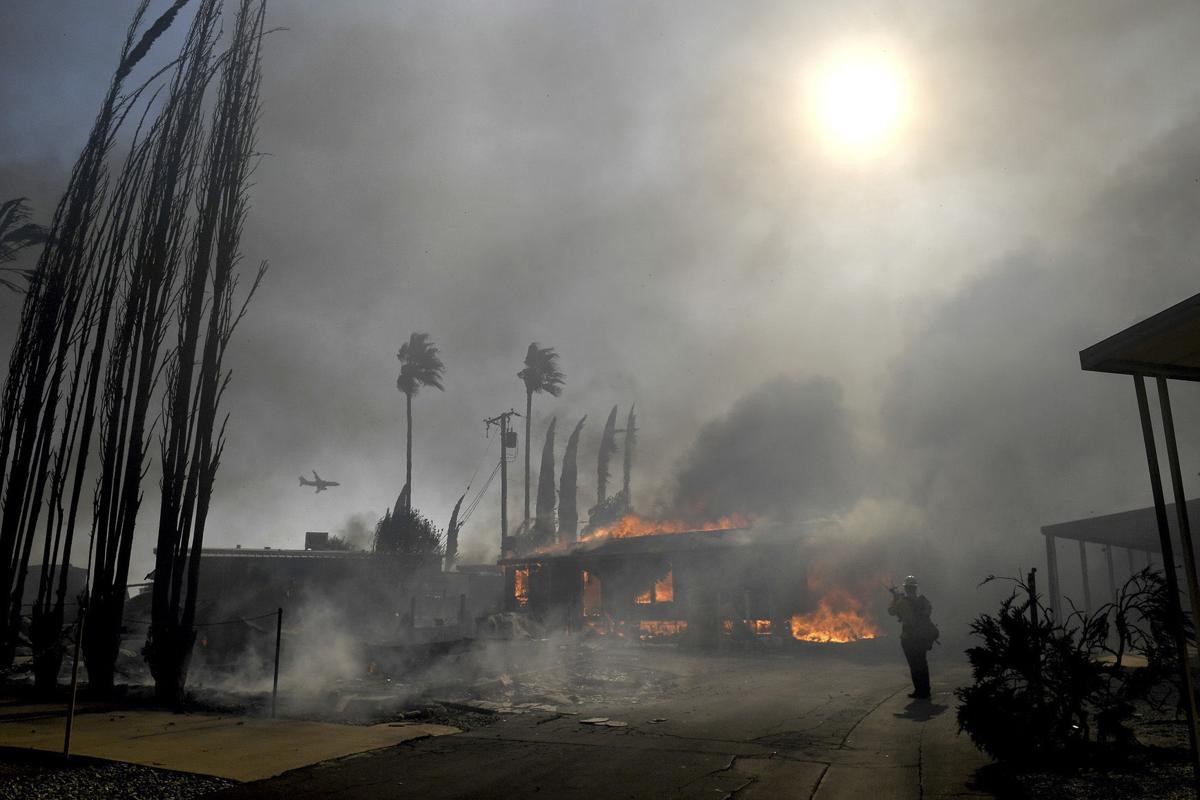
point(471, 686)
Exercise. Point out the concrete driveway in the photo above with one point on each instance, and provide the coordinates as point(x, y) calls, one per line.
point(820, 726)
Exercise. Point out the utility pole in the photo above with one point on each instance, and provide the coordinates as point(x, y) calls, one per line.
point(508, 439)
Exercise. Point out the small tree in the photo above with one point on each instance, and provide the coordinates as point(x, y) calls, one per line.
point(339, 544)
point(405, 531)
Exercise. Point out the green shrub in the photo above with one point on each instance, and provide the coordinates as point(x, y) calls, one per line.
point(1042, 689)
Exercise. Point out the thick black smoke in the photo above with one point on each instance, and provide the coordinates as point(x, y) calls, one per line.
point(784, 451)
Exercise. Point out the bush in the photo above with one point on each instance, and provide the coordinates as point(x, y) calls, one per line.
point(1042, 690)
point(408, 532)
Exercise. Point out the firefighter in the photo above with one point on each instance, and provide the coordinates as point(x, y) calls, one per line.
point(917, 633)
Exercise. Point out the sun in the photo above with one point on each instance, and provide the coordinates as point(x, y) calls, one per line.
point(859, 99)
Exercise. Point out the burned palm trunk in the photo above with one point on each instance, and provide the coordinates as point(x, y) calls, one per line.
point(105, 253)
point(192, 441)
point(543, 529)
point(568, 508)
point(136, 361)
point(57, 314)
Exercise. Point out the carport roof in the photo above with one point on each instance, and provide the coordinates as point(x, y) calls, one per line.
point(1166, 345)
point(1137, 529)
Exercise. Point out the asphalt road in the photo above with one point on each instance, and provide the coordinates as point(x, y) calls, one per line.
point(824, 725)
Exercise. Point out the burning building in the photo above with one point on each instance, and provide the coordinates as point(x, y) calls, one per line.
point(661, 581)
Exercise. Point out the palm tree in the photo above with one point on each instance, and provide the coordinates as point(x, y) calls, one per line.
point(16, 234)
point(541, 374)
point(419, 366)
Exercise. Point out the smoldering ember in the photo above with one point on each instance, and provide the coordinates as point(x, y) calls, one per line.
point(630, 400)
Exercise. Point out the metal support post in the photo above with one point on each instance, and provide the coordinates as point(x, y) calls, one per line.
point(1112, 575)
point(278, 643)
point(1168, 557)
point(1087, 586)
point(1052, 571)
point(1181, 512)
point(74, 685)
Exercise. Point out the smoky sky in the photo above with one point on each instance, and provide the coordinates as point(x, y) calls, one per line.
point(785, 451)
point(637, 186)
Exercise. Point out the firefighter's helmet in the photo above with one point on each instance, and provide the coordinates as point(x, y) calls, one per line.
point(910, 581)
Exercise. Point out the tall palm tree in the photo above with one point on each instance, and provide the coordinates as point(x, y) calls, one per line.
point(419, 366)
point(541, 374)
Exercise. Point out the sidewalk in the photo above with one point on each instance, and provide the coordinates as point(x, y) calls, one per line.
point(238, 748)
point(903, 750)
point(900, 750)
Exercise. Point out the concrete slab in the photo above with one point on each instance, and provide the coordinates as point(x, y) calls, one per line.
point(238, 748)
point(878, 783)
point(779, 779)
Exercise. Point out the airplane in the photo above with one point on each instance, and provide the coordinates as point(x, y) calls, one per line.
point(321, 485)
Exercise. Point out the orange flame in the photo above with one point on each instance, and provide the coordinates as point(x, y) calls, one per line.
point(839, 617)
point(664, 588)
point(632, 526)
point(660, 629)
point(521, 583)
point(759, 627)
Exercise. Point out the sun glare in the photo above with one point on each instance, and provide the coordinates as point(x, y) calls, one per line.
point(859, 101)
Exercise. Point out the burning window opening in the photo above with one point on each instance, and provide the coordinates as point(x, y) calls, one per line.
point(643, 598)
point(592, 598)
point(759, 627)
point(664, 588)
point(521, 586)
